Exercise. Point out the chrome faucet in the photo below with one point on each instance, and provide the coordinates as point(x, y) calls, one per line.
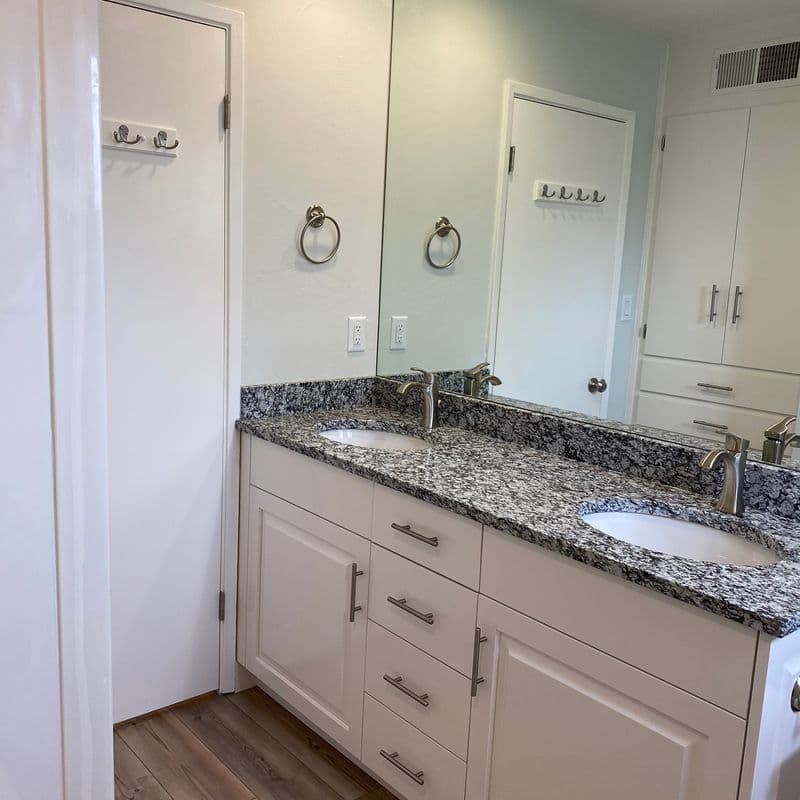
point(429, 386)
point(473, 379)
point(777, 439)
point(734, 458)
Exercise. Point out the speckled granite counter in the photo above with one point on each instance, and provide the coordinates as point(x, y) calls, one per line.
point(538, 497)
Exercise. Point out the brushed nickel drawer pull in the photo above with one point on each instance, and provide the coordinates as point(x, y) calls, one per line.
point(476, 657)
point(715, 386)
point(737, 305)
point(433, 541)
point(712, 314)
point(355, 572)
point(402, 603)
point(715, 425)
point(394, 760)
point(397, 682)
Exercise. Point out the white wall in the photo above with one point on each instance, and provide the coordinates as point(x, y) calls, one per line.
point(316, 84)
point(450, 61)
point(689, 78)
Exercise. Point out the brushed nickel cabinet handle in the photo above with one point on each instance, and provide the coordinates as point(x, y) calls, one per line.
point(715, 425)
point(795, 702)
point(397, 682)
point(737, 305)
point(476, 657)
point(433, 541)
point(715, 386)
point(394, 760)
point(402, 603)
point(712, 314)
point(355, 573)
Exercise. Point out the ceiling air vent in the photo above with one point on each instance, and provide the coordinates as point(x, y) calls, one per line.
point(767, 64)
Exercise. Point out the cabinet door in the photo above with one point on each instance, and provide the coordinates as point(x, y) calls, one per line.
point(557, 719)
point(766, 328)
point(303, 642)
point(695, 232)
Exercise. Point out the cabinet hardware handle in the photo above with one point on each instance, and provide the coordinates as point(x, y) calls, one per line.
point(355, 572)
point(715, 386)
point(476, 657)
point(715, 425)
point(402, 603)
point(796, 696)
point(712, 314)
point(737, 304)
point(394, 760)
point(397, 682)
point(433, 541)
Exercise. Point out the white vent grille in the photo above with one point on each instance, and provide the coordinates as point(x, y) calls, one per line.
point(769, 63)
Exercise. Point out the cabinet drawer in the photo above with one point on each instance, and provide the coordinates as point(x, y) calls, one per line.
point(320, 488)
point(447, 630)
point(436, 774)
point(774, 392)
point(449, 544)
point(440, 703)
point(683, 416)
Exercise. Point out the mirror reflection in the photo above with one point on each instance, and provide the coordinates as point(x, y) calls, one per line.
point(594, 215)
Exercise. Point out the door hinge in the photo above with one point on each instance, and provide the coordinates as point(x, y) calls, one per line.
point(662, 143)
point(221, 606)
point(512, 156)
point(644, 331)
point(226, 112)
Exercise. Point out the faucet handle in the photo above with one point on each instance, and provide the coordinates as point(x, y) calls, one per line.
point(736, 444)
point(427, 377)
point(779, 430)
point(475, 371)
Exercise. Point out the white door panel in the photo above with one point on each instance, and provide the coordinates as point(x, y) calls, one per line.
point(165, 294)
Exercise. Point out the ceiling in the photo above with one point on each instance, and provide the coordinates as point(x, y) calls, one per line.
point(665, 17)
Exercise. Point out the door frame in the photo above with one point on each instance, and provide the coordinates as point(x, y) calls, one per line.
point(516, 90)
point(232, 22)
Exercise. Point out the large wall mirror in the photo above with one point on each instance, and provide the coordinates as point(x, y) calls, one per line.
point(591, 209)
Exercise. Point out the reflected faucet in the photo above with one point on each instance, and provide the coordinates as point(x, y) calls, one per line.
point(429, 386)
point(473, 379)
point(734, 459)
point(777, 439)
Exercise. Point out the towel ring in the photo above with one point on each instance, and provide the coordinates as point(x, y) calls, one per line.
point(443, 228)
point(315, 218)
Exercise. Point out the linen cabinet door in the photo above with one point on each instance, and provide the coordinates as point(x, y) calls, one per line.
point(306, 614)
point(695, 229)
point(763, 326)
point(557, 719)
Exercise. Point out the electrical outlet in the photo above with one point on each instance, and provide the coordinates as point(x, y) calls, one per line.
point(627, 308)
point(356, 334)
point(399, 333)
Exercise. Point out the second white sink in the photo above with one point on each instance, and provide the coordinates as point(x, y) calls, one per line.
point(677, 537)
point(378, 440)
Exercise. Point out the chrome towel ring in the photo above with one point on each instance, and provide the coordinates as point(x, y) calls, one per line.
point(315, 218)
point(443, 228)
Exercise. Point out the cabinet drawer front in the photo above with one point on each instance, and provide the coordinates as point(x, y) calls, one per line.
point(685, 646)
point(684, 416)
point(439, 702)
point(327, 491)
point(774, 392)
point(393, 748)
point(438, 616)
point(438, 539)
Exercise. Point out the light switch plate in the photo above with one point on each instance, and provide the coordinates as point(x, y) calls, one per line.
point(399, 333)
point(356, 334)
point(627, 308)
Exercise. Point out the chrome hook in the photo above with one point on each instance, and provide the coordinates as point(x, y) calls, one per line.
point(160, 141)
point(545, 194)
point(580, 197)
point(121, 136)
point(563, 194)
point(596, 197)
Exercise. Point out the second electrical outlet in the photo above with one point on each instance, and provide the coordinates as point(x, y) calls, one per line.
point(356, 334)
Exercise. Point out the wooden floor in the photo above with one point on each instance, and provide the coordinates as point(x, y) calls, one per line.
point(234, 747)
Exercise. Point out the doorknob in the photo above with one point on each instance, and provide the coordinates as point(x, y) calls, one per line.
point(597, 385)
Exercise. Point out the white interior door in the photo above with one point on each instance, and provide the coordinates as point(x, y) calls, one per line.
point(165, 299)
point(763, 326)
point(560, 272)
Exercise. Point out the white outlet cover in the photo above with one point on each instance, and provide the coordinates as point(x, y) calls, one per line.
point(399, 333)
point(627, 308)
point(356, 334)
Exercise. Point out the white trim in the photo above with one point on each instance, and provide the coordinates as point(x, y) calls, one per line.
point(513, 90)
point(232, 22)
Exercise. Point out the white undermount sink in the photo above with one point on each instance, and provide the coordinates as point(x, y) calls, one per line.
point(677, 537)
point(378, 440)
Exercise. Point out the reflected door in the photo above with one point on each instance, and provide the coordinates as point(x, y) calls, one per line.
point(560, 271)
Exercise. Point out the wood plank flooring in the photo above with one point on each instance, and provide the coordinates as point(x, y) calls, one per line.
point(234, 747)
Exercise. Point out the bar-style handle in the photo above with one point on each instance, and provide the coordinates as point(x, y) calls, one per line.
point(394, 760)
point(402, 603)
point(397, 682)
point(355, 573)
point(715, 386)
point(737, 305)
point(712, 314)
point(476, 657)
point(433, 541)
point(715, 425)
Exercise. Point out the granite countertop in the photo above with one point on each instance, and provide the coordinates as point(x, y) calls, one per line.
point(539, 497)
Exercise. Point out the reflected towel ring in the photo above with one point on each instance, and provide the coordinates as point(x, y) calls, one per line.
point(315, 218)
point(443, 228)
